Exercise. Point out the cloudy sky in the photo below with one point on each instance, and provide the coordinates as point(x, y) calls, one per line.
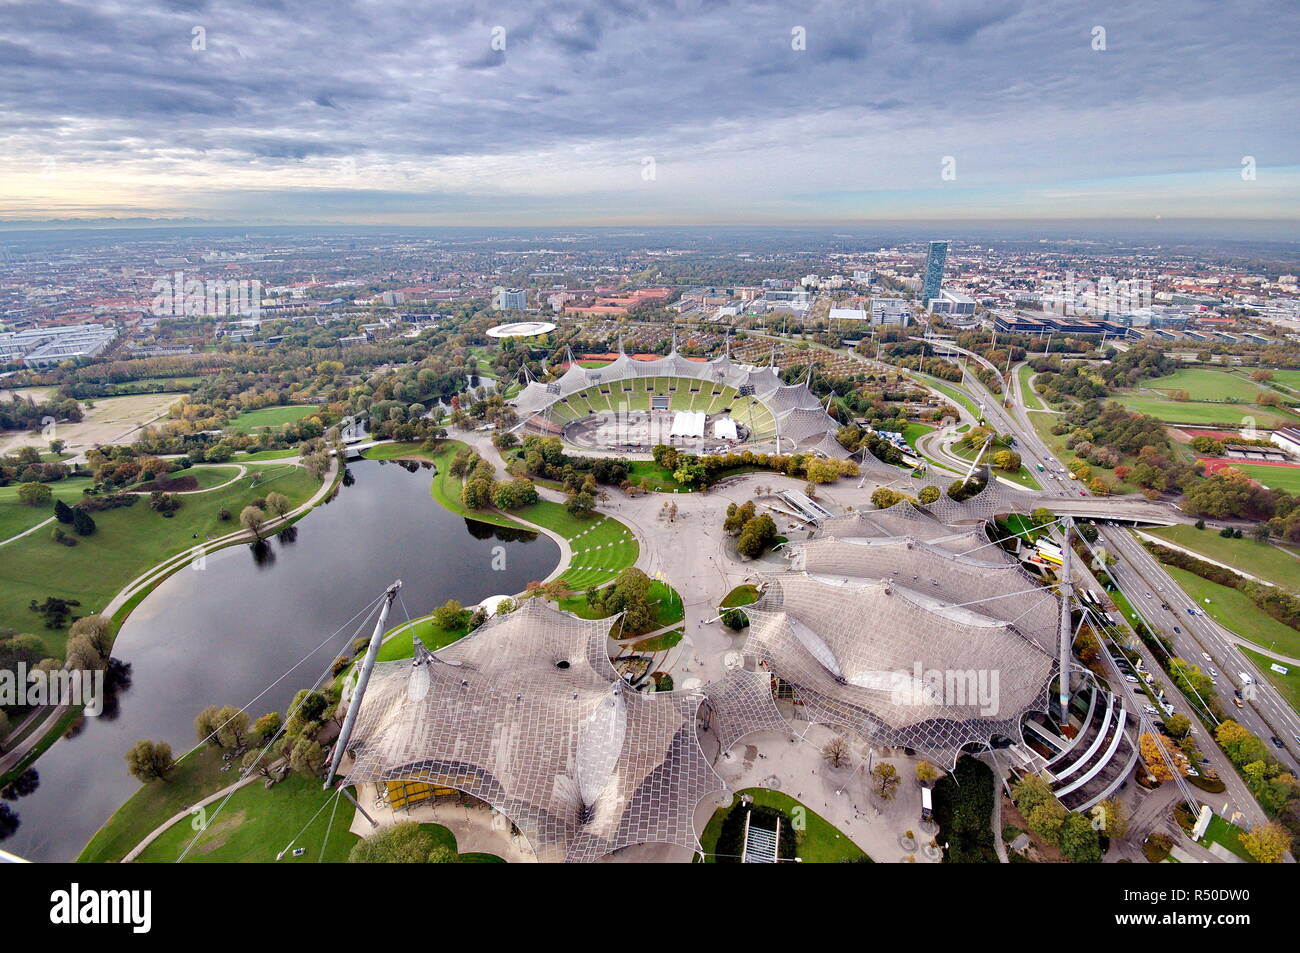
point(611, 112)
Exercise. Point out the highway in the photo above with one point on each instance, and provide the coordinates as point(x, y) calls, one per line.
point(1148, 587)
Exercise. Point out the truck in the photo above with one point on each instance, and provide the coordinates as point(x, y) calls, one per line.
point(1040, 467)
point(1245, 679)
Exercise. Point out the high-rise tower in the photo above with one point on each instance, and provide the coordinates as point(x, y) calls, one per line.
point(938, 257)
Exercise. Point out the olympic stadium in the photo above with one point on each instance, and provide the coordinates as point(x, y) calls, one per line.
point(701, 406)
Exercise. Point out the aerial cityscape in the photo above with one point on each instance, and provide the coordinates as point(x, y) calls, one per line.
point(888, 452)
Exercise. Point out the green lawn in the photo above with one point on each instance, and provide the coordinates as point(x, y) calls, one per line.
point(16, 517)
point(602, 546)
point(270, 417)
point(1229, 835)
point(950, 391)
point(263, 455)
point(196, 777)
point(1264, 560)
point(660, 643)
point(912, 432)
point(257, 823)
point(1205, 414)
point(1031, 400)
point(1233, 610)
point(819, 843)
point(1275, 478)
point(740, 596)
point(1023, 476)
point(1204, 384)
point(127, 542)
point(1288, 685)
point(401, 644)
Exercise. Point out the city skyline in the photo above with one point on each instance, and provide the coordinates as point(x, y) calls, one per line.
point(591, 115)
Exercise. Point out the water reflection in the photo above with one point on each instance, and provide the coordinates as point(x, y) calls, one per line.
point(221, 632)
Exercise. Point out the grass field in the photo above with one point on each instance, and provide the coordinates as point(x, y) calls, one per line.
point(1023, 476)
point(740, 596)
point(602, 546)
point(948, 390)
point(1205, 384)
point(269, 417)
point(196, 777)
point(913, 432)
point(819, 843)
point(257, 823)
point(1264, 560)
point(1206, 414)
point(1222, 832)
point(263, 455)
point(1234, 611)
point(127, 542)
point(1031, 400)
point(16, 517)
point(1275, 478)
point(1288, 685)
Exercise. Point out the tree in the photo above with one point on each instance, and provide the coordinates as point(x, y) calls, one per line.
point(278, 503)
point(756, 536)
point(35, 494)
point(82, 524)
point(307, 757)
point(1157, 752)
point(1114, 818)
point(63, 512)
point(1007, 460)
point(928, 495)
point(265, 728)
point(885, 776)
point(884, 497)
point(1267, 843)
point(252, 519)
point(926, 772)
point(403, 843)
point(1078, 840)
point(580, 505)
point(97, 630)
point(150, 760)
point(836, 752)
point(450, 616)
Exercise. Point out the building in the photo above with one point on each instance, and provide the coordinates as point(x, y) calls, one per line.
point(43, 347)
point(509, 299)
point(934, 265)
point(952, 302)
point(1288, 438)
point(894, 311)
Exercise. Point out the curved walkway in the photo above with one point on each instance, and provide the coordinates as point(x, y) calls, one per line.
point(179, 816)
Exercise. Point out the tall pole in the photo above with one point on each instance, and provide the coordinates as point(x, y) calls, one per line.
point(1065, 633)
point(367, 666)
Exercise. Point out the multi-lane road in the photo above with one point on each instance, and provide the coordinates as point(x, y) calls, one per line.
point(1149, 589)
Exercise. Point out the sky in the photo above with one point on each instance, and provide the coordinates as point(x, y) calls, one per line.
point(603, 112)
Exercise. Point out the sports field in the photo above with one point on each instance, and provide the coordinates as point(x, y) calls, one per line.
point(1204, 384)
point(1275, 478)
point(1216, 398)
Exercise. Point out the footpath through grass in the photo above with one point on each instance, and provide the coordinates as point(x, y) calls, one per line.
point(127, 542)
point(1030, 399)
point(1234, 611)
point(1264, 560)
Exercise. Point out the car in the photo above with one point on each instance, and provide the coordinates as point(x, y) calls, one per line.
point(1192, 772)
point(1206, 656)
point(1177, 629)
point(1165, 605)
point(1237, 702)
point(1150, 709)
point(1130, 678)
point(1214, 673)
point(1277, 742)
point(1191, 612)
point(1146, 677)
point(1237, 692)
